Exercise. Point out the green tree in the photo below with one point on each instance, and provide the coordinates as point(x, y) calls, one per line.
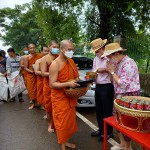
point(58, 19)
point(139, 49)
point(20, 26)
point(117, 17)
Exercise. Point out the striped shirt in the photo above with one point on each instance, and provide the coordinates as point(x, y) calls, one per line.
point(13, 64)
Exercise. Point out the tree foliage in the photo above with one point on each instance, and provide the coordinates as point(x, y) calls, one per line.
point(115, 17)
point(20, 26)
point(79, 20)
point(58, 19)
point(139, 49)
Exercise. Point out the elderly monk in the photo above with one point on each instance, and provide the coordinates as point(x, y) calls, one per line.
point(24, 72)
point(40, 97)
point(31, 79)
point(63, 73)
point(45, 64)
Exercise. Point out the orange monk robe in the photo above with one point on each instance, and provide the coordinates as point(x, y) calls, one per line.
point(47, 91)
point(40, 97)
point(31, 79)
point(24, 73)
point(47, 94)
point(64, 112)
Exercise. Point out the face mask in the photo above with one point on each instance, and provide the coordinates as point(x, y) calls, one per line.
point(69, 54)
point(55, 51)
point(26, 52)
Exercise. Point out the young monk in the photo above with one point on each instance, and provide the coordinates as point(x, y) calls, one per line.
point(63, 73)
point(45, 64)
point(37, 70)
point(31, 77)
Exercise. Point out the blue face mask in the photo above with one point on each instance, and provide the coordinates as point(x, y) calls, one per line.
point(55, 51)
point(26, 52)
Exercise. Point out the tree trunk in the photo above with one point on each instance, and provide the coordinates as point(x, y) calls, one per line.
point(104, 15)
point(147, 65)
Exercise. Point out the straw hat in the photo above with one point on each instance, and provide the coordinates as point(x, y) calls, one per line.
point(97, 44)
point(112, 48)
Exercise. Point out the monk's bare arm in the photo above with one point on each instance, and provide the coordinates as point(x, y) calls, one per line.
point(22, 62)
point(43, 67)
point(53, 75)
point(37, 67)
point(26, 65)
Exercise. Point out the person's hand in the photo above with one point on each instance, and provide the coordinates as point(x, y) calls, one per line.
point(73, 84)
point(110, 67)
point(101, 70)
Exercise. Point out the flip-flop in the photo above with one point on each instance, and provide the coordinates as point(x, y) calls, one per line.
point(117, 147)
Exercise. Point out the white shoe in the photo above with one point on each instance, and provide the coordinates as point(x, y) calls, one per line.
point(117, 147)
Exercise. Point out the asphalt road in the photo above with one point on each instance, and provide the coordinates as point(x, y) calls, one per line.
point(23, 129)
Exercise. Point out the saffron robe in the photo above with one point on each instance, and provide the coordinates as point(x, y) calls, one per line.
point(47, 95)
point(31, 79)
point(24, 73)
point(47, 90)
point(40, 97)
point(64, 112)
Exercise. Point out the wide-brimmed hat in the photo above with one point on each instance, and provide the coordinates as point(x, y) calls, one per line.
point(112, 48)
point(97, 44)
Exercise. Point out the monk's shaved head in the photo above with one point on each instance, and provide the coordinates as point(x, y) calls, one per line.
point(65, 43)
point(52, 42)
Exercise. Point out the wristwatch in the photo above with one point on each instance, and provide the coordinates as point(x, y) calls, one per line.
point(113, 72)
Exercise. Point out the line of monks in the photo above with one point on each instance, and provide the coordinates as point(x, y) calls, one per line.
point(46, 75)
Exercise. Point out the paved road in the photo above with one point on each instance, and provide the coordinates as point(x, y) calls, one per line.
point(23, 129)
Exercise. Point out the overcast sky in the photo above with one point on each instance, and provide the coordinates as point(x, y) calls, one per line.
point(11, 4)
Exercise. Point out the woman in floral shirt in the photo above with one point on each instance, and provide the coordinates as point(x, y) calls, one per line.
point(125, 75)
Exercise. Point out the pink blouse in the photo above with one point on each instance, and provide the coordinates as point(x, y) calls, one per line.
point(102, 78)
point(128, 76)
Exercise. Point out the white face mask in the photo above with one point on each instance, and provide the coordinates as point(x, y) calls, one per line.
point(26, 52)
point(69, 54)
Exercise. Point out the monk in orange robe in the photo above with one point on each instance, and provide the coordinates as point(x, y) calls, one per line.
point(45, 64)
point(31, 79)
point(63, 73)
point(37, 70)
